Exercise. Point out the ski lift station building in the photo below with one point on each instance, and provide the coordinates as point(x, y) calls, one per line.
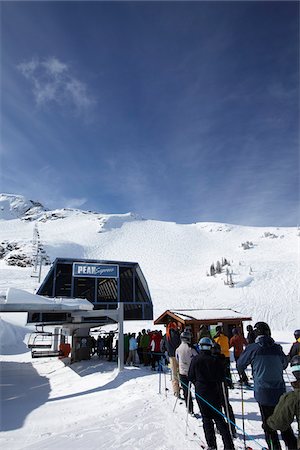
point(79, 294)
point(194, 318)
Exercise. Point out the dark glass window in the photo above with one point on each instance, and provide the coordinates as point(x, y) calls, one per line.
point(140, 293)
point(133, 311)
point(47, 288)
point(84, 288)
point(63, 280)
point(107, 290)
point(126, 284)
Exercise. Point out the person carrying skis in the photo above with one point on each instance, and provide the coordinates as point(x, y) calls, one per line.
point(288, 406)
point(184, 355)
point(238, 342)
point(268, 363)
point(223, 341)
point(295, 348)
point(207, 373)
point(172, 342)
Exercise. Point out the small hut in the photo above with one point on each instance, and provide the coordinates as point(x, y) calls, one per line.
point(194, 318)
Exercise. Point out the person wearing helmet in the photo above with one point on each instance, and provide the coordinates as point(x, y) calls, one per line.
point(295, 348)
point(207, 373)
point(268, 363)
point(184, 355)
point(289, 405)
point(221, 339)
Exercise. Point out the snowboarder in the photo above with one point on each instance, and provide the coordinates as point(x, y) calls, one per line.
point(268, 363)
point(184, 355)
point(207, 374)
point(289, 405)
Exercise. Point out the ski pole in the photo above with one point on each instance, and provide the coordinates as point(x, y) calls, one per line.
point(159, 380)
point(227, 408)
point(243, 420)
point(175, 404)
point(187, 407)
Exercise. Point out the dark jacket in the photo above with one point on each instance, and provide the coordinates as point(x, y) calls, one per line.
point(287, 408)
point(251, 337)
point(268, 362)
point(295, 349)
point(172, 342)
point(207, 373)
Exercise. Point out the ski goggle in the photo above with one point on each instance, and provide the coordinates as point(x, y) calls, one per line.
point(295, 368)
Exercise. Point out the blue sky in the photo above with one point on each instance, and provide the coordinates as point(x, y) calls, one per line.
point(180, 111)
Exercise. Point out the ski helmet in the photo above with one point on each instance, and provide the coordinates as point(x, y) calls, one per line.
point(295, 366)
point(262, 329)
point(205, 343)
point(186, 336)
point(297, 334)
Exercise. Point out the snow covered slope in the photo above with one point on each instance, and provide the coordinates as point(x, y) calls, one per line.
point(175, 259)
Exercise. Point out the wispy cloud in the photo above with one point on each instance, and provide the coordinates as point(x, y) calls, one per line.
point(53, 82)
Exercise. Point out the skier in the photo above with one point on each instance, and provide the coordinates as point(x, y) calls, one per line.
point(228, 411)
point(268, 362)
point(207, 373)
point(184, 354)
point(223, 341)
point(289, 405)
point(172, 342)
point(238, 342)
point(144, 344)
point(250, 335)
point(295, 348)
point(155, 347)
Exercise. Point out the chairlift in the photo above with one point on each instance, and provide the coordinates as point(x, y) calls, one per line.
point(42, 341)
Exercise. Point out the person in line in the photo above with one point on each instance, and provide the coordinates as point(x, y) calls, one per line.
point(204, 332)
point(223, 341)
point(172, 342)
point(216, 352)
point(207, 373)
point(155, 347)
point(268, 363)
point(251, 335)
point(144, 344)
point(238, 342)
point(133, 345)
point(184, 355)
point(295, 348)
point(288, 406)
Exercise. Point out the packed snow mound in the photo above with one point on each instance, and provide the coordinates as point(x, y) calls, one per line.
point(12, 338)
point(18, 207)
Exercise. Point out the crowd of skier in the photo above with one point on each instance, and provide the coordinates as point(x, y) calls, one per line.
point(206, 365)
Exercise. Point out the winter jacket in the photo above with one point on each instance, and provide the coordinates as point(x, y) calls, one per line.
point(145, 341)
point(251, 337)
point(184, 355)
point(172, 341)
point(207, 373)
point(223, 342)
point(295, 349)
point(287, 408)
point(268, 362)
point(155, 344)
point(237, 342)
point(133, 345)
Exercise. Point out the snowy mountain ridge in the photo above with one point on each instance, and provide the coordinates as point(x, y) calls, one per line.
point(261, 278)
